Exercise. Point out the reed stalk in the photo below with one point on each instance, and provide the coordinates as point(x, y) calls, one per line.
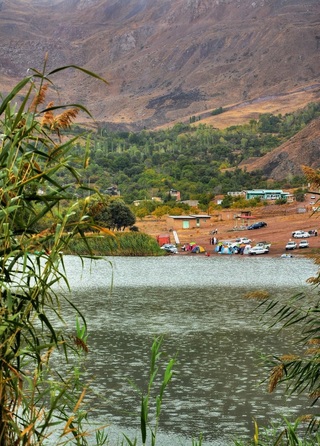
point(34, 398)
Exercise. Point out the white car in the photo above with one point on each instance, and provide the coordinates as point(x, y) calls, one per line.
point(244, 240)
point(228, 243)
point(258, 250)
point(304, 244)
point(170, 248)
point(300, 234)
point(263, 245)
point(291, 245)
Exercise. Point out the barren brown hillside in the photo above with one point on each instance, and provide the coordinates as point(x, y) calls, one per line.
point(242, 112)
point(165, 60)
point(286, 160)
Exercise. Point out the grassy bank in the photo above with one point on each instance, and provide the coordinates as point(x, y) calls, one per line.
point(121, 244)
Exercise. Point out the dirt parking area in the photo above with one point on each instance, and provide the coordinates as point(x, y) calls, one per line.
point(281, 222)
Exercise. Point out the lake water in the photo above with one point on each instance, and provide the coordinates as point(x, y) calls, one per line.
point(198, 304)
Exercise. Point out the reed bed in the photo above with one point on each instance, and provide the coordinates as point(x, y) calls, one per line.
point(121, 244)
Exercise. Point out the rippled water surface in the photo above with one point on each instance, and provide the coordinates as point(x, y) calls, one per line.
point(198, 304)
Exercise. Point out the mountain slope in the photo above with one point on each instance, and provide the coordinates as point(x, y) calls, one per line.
point(286, 160)
point(165, 60)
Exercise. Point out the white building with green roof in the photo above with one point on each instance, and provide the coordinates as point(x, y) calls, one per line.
point(267, 194)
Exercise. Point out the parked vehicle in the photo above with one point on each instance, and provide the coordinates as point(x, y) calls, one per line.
point(264, 244)
point(258, 250)
point(258, 225)
point(170, 248)
point(228, 243)
point(244, 240)
point(300, 234)
point(291, 245)
point(304, 244)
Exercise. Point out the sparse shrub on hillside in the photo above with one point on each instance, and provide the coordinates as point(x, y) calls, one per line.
point(299, 194)
point(217, 111)
point(226, 202)
point(281, 201)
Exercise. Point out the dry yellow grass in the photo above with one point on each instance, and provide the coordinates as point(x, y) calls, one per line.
point(242, 113)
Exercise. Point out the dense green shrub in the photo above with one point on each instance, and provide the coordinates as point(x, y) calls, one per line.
point(121, 244)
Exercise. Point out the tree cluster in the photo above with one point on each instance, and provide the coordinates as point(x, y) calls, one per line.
point(112, 214)
point(197, 160)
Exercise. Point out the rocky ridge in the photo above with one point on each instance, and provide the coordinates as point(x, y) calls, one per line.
point(164, 60)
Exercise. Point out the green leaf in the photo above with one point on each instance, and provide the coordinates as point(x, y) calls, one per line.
point(44, 319)
point(130, 443)
point(4, 212)
point(144, 419)
point(90, 73)
point(13, 93)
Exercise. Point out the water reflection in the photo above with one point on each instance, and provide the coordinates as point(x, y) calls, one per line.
point(197, 303)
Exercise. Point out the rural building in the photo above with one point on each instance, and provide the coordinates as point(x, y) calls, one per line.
point(267, 194)
point(112, 190)
point(139, 202)
point(188, 221)
point(175, 194)
point(237, 193)
point(191, 203)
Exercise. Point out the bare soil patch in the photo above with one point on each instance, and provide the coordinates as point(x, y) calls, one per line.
point(281, 222)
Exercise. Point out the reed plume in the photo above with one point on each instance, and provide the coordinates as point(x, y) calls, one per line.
point(39, 98)
point(48, 117)
point(60, 122)
point(80, 343)
point(276, 375)
point(65, 119)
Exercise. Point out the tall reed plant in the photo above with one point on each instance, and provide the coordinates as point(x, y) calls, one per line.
point(153, 396)
point(33, 154)
point(119, 244)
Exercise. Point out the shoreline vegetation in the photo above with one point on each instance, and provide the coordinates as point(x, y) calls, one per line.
point(281, 222)
point(120, 244)
point(141, 245)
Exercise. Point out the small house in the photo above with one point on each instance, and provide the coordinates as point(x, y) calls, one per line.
point(188, 221)
point(112, 190)
point(241, 193)
point(175, 194)
point(191, 203)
